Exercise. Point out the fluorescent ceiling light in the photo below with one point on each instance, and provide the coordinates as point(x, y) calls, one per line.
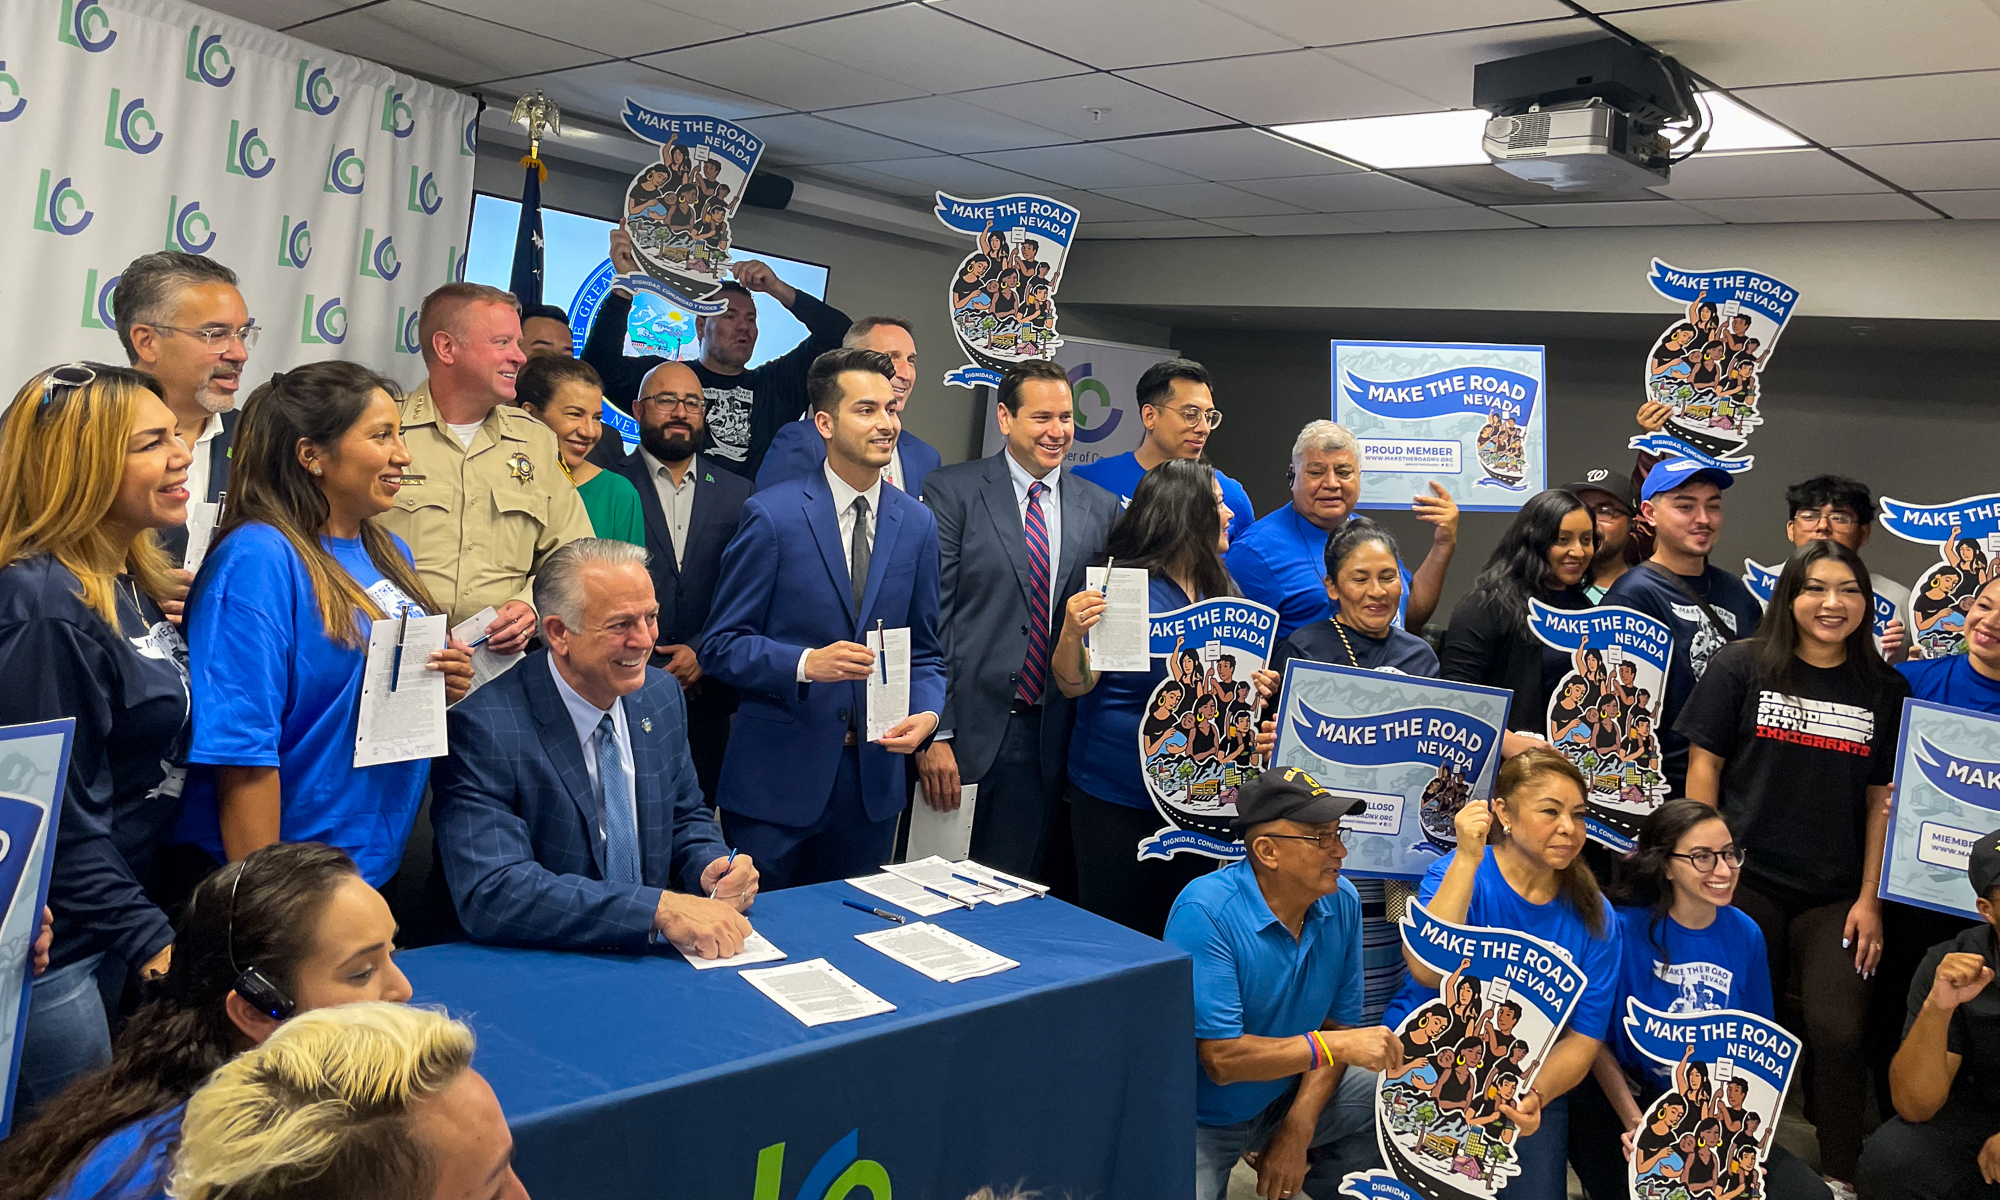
point(1734, 127)
point(1438, 139)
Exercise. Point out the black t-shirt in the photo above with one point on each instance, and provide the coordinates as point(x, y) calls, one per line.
point(1484, 645)
point(1974, 1034)
point(1797, 767)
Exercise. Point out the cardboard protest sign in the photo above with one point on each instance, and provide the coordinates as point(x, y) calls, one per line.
point(1709, 367)
point(1467, 415)
point(34, 762)
point(1003, 294)
point(1709, 1133)
point(1947, 796)
point(1418, 749)
point(1605, 714)
point(678, 209)
point(1503, 999)
point(1967, 535)
point(1762, 581)
point(1198, 738)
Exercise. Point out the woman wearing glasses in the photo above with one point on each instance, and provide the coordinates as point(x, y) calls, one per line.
point(566, 395)
point(290, 929)
point(90, 468)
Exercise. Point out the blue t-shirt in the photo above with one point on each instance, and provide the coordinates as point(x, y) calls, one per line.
point(1496, 905)
point(1104, 743)
point(1952, 681)
point(131, 1163)
point(1251, 977)
point(1722, 966)
point(272, 690)
point(1121, 473)
point(1281, 562)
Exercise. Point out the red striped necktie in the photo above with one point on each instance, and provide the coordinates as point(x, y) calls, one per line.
point(1034, 669)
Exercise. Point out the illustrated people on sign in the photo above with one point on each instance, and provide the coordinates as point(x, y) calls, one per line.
point(1458, 1082)
point(1702, 314)
point(1742, 1180)
point(1462, 994)
point(1424, 1041)
point(1936, 613)
point(1626, 686)
point(683, 213)
point(1660, 1136)
point(648, 197)
point(1164, 722)
point(1590, 664)
point(1736, 335)
point(1007, 304)
point(1969, 557)
point(968, 291)
point(1566, 722)
point(1703, 1170)
point(1501, 1021)
point(1691, 1081)
point(713, 228)
point(1607, 727)
point(1206, 739)
point(1670, 357)
point(1732, 1107)
point(1707, 372)
point(709, 183)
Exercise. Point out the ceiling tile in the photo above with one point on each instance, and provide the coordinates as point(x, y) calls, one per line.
point(961, 177)
point(864, 175)
point(1225, 154)
point(1405, 221)
point(1967, 206)
point(946, 123)
point(1484, 183)
point(1319, 23)
point(1097, 208)
point(803, 140)
point(1083, 167)
point(1202, 200)
point(751, 16)
point(602, 90)
point(1123, 33)
point(760, 67)
point(1611, 212)
point(1771, 173)
point(1882, 206)
point(1093, 107)
point(625, 29)
point(1439, 67)
point(1934, 166)
point(438, 44)
point(1867, 112)
point(1747, 43)
point(1299, 225)
point(279, 14)
point(917, 45)
point(1154, 229)
point(1280, 89)
point(1349, 193)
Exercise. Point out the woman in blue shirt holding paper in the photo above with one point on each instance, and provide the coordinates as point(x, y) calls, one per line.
point(278, 627)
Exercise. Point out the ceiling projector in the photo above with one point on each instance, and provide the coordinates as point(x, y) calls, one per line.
point(1590, 117)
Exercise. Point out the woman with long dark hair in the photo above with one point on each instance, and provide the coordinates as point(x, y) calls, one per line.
point(289, 929)
point(1793, 737)
point(278, 627)
point(567, 395)
point(1175, 529)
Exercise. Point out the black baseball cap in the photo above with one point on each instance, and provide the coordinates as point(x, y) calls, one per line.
point(1618, 487)
point(1982, 866)
point(1289, 794)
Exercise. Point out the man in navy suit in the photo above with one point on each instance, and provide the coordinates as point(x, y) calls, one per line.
point(692, 503)
point(798, 448)
point(567, 813)
point(1016, 531)
point(818, 563)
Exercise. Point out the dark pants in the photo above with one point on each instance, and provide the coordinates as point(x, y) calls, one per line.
point(1937, 1160)
point(843, 843)
point(1110, 879)
point(1020, 798)
point(709, 708)
point(1833, 998)
point(1596, 1153)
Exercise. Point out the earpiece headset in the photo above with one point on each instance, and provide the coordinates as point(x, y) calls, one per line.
point(256, 988)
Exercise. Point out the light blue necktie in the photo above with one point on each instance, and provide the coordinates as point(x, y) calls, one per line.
point(621, 830)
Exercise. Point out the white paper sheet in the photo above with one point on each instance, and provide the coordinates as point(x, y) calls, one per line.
point(407, 723)
point(904, 894)
point(889, 681)
point(938, 953)
point(1122, 638)
point(202, 517)
point(939, 873)
point(816, 992)
point(946, 834)
point(755, 950)
point(486, 665)
point(986, 874)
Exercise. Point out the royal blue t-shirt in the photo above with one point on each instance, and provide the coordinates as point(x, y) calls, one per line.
point(1951, 681)
point(1104, 743)
point(1281, 562)
point(1496, 905)
point(131, 1163)
point(272, 689)
point(1722, 966)
point(1251, 977)
point(1121, 473)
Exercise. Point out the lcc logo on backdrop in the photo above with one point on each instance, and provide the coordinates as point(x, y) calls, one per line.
point(378, 259)
point(325, 325)
point(312, 91)
point(295, 243)
point(85, 26)
point(130, 125)
point(97, 301)
point(424, 195)
point(345, 172)
point(838, 1174)
point(19, 104)
point(397, 119)
point(208, 59)
point(188, 228)
point(53, 201)
point(246, 153)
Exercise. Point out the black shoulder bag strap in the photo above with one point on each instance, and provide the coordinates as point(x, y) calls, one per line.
point(1725, 632)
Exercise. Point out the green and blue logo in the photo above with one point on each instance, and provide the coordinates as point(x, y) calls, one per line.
point(85, 26)
point(323, 326)
point(188, 228)
point(312, 91)
point(424, 195)
point(468, 142)
point(378, 259)
point(97, 301)
point(295, 244)
point(20, 104)
point(208, 59)
point(406, 331)
point(836, 1176)
point(397, 119)
point(454, 265)
point(245, 149)
point(51, 201)
point(1095, 423)
point(129, 125)
point(345, 172)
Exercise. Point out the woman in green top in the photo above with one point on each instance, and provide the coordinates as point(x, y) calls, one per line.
point(566, 395)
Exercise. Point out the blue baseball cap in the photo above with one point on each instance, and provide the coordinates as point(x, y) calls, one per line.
point(1679, 472)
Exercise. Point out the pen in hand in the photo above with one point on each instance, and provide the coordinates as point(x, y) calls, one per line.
point(726, 867)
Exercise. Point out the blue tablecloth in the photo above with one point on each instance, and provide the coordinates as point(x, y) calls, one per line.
point(627, 1077)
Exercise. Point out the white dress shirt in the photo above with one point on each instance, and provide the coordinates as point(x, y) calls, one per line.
point(676, 502)
point(585, 716)
point(844, 514)
point(197, 480)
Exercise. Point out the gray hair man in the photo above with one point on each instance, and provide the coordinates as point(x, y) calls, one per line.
point(798, 448)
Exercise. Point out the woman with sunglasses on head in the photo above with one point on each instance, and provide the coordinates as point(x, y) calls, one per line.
point(1793, 737)
point(1683, 949)
point(566, 395)
point(278, 627)
point(90, 469)
point(289, 929)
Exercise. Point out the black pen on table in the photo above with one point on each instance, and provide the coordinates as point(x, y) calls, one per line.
point(396, 663)
point(873, 911)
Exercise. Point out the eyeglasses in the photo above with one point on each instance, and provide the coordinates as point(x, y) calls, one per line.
point(1609, 508)
point(1837, 518)
point(668, 402)
point(216, 339)
point(1703, 861)
point(1327, 841)
point(70, 377)
point(1194, 415)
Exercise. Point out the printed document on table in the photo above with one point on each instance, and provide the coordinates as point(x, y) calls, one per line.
point(407, 723)
point(888, 681)
point(1022, 889)
point(486, 665)
point(904, 894)
point(938, 953)
point(755, 950)
point(816, 992)
point(1122, 637)
point(935, 872)
point(947, 834)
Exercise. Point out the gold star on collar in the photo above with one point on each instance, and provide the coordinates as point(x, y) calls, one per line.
point(521, 467)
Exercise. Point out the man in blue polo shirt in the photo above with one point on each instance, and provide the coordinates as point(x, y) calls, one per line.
point(1281, 560)
point(1177, 407)
point(1276, 940)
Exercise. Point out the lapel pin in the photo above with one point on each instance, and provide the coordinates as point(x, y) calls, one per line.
point(646, 723)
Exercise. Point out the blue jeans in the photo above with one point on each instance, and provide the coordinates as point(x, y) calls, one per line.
point(1346, 1132)
point(68, 1034)
point(1544, 1158)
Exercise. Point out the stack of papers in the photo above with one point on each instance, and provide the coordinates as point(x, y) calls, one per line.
point(755, 950)
point(951, 878)
point(816, 992)
point(904, 894)
point(938, 953)
point(1022, 889)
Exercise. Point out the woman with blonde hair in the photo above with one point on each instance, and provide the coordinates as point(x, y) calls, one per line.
point(90, 467)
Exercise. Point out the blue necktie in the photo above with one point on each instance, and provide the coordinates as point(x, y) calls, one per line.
point(621, 830)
